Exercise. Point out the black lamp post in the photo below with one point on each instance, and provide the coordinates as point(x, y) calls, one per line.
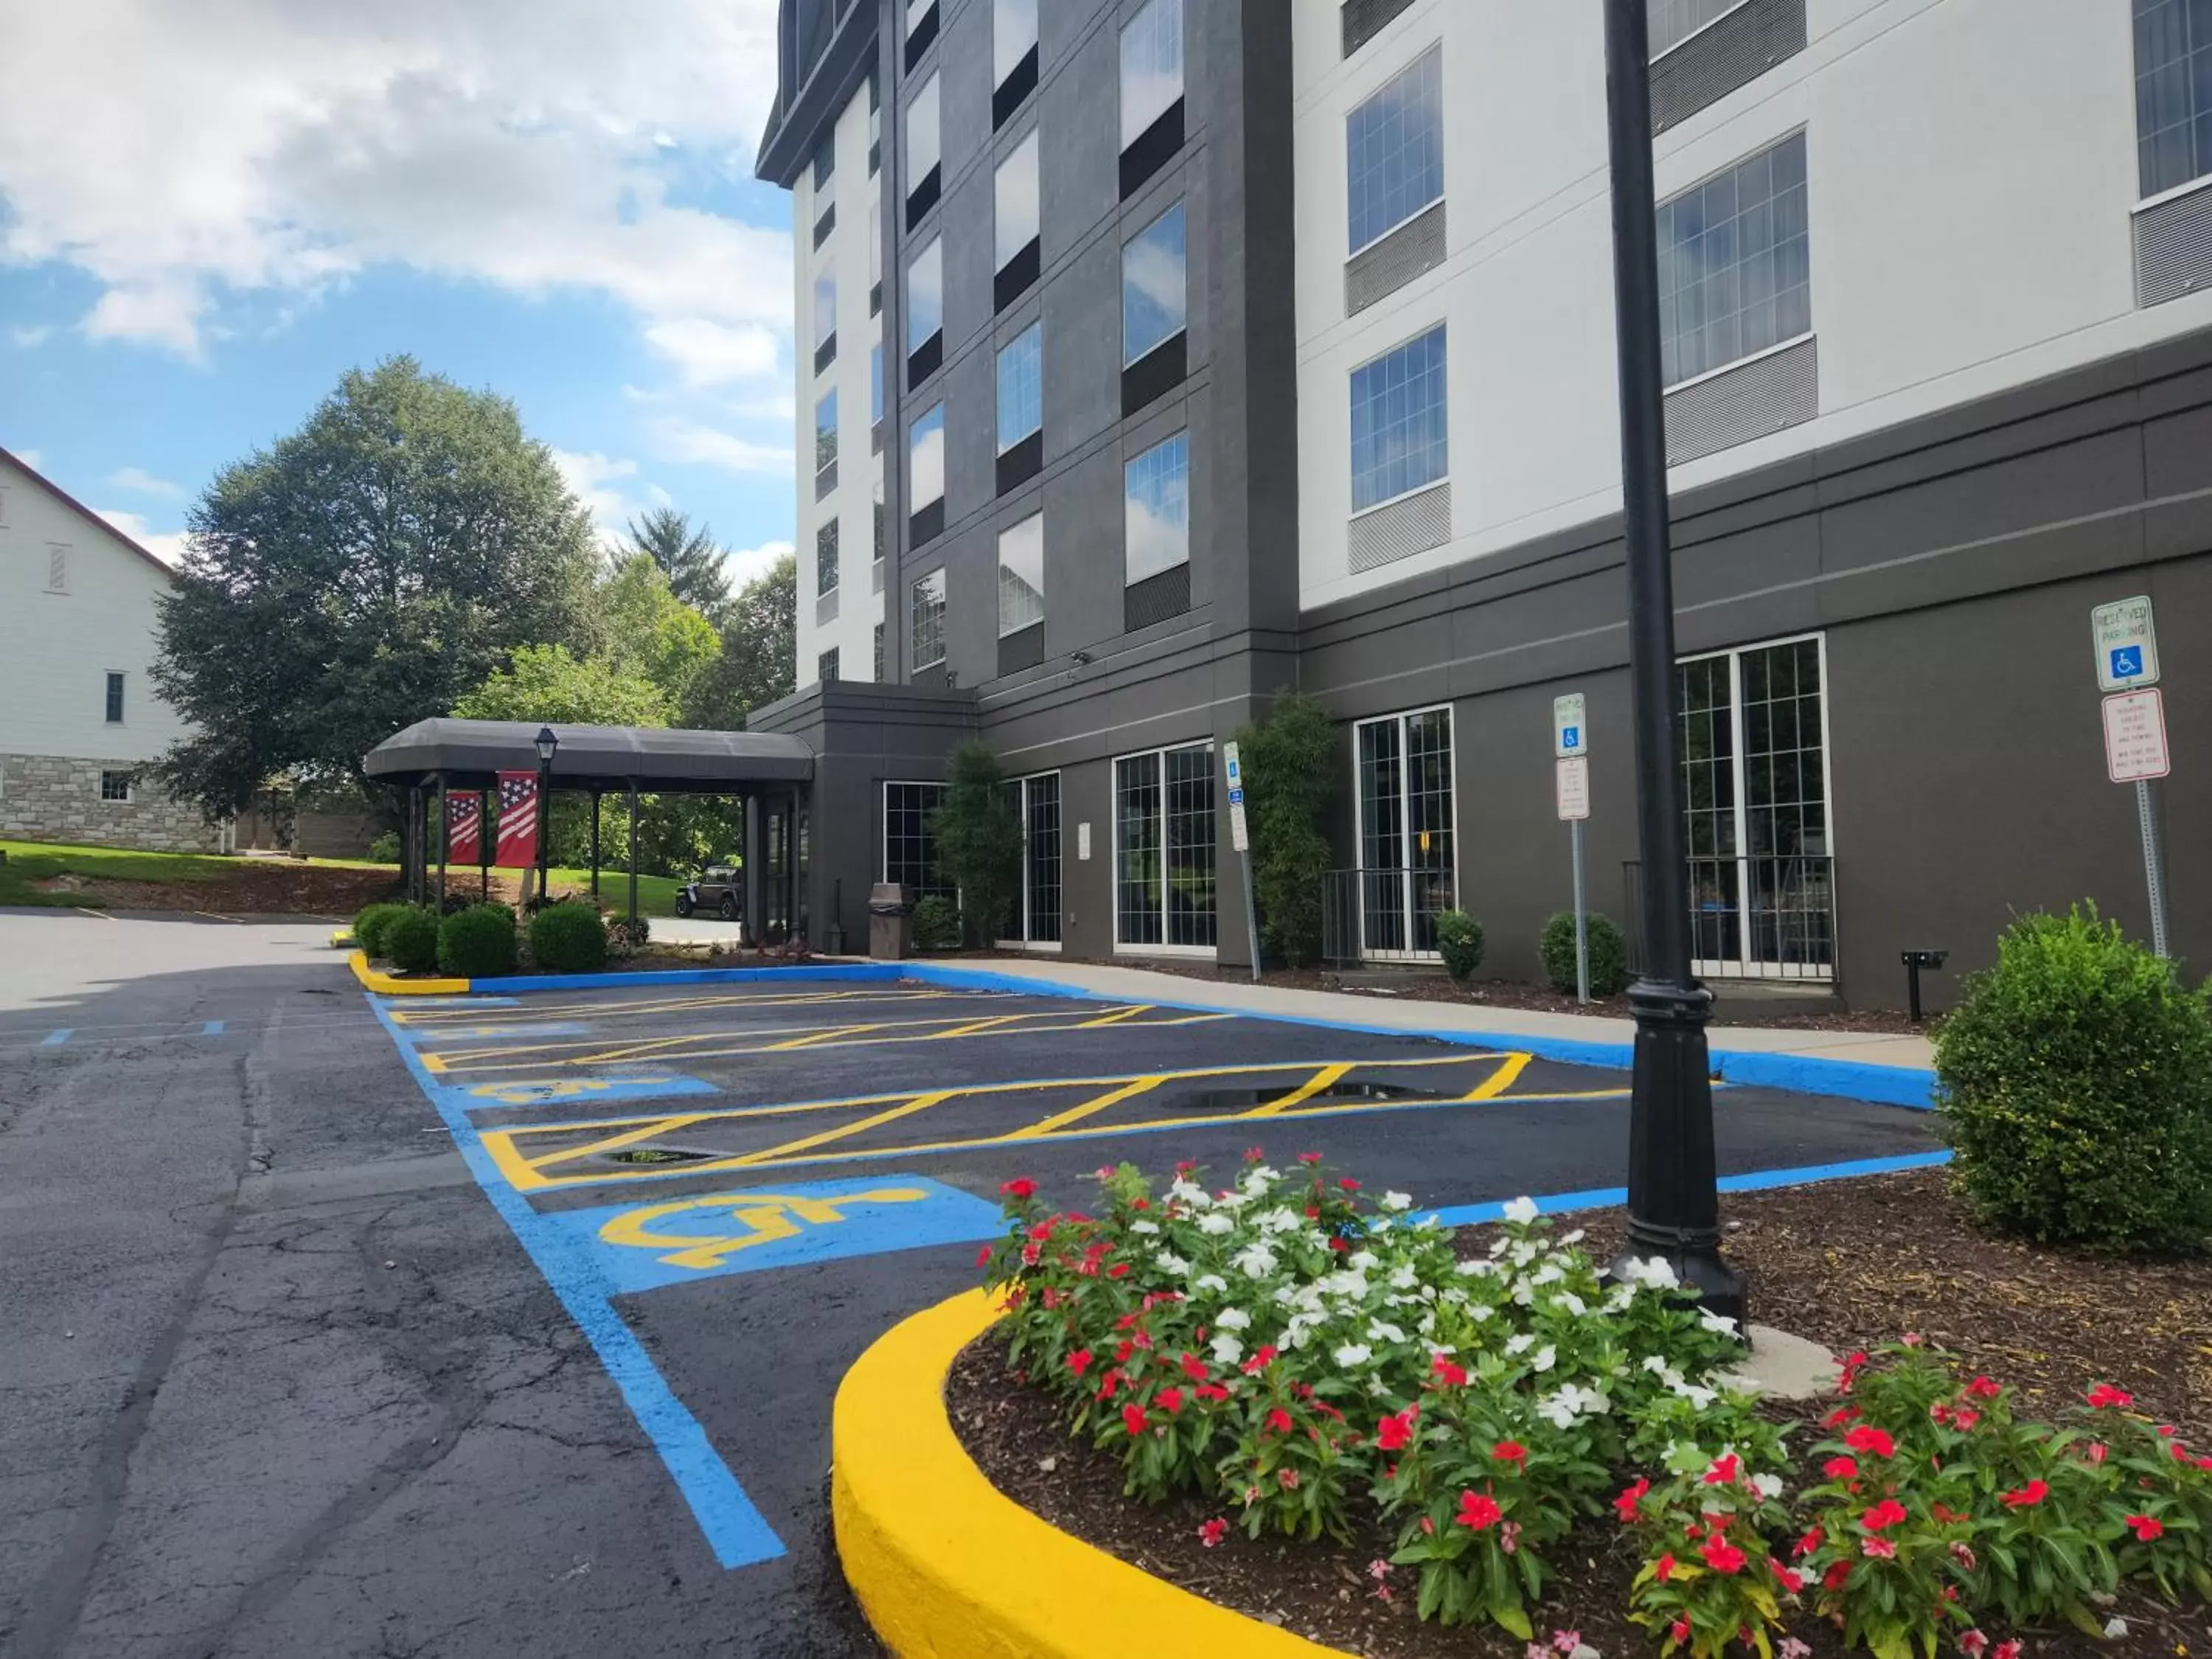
point(547, 744)
point(1674, 1203)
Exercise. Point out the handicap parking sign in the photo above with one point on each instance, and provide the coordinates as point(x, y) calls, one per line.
point(2127, 662)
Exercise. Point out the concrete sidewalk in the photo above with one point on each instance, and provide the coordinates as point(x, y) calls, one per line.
point(1411, 1014)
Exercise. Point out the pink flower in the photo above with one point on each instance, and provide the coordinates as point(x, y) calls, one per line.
point(1679, 1632)
point(1963, 1555)
point(1974, 1644)
point(1211, 1532)
point(1566, 1641)
point(2007, 1649)
point(1509, 1537)
point(1791, 1648)
point(1287, 1479)
point(1478, 1510)
point(2027, 1497)
point(2146, 1528)
point(983, 1256)
point(2094, 1451)
point(1882, 1548)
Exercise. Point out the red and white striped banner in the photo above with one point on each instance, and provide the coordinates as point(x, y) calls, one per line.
point(517, 821)
point(463, 828)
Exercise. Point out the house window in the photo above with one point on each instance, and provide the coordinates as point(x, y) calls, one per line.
point(909, 844)
point(1014, 200)
point(1021, 575)
point(1163, 849)
point(879, 653)
point(2173, 93)
point(875, 251)
point(58, 568)
point(1035, 801)
point(826, 444)
point(922, 151)
point(1394, 151)
point(825, 164)
point(875, 384)
point(826, 558)
point(1674, 22)
point(1398, 421)
point(1013, 36)
point(115, 699)
point(1735, 264)
point(115, 785)
point(875, 130)
point(926, 611)
point(925, 298)
point(926, 459)
point(1021, 387)
point(1404, 788)
point(825, 317)
point(1152, 288)
point(1157, 509)
point(1152, 67)
point(879, 504)
point(825, 666)
point(1755, 805)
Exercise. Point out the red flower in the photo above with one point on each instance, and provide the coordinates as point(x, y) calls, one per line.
point(1841, 1415)
point(1211, 1533)
point(1513, 1452)
point(1853, 1365)
point(1349, 1184)
point(1119, 1270)
point(1186, 1165)
point(1964, 1418)
point(2094, 1451)
point(1279, 1420)
point(1882, 1548)
point(1194, 1368)
point(2106, 1395)
point(1883, 1515)
point(1032, 1253)
point(1108, 1383)
point(1341, 1245)
point(1211, 1391)
point(2027, 1497)
point(1477, 1510)
point(1974, 1644)
point(1679, 1632)
point(2007, 1649)
point(1260, 1360)
point(1809, 1543)
point(1983, 1388)
point(1308, 1158)
point(1721, 1555)
point(983, 1256)
point(1790, 1578)
point(1838, 1575)
point(1079, 1361)
point(1867, 1438)
point(2146, 1528)
point(1626, 1504)
point(1663, 1569)
point(1395, 1433)
point(1133, 1419)
point(1451, 1375)
point(1020, 1187)
point(1723, 1471)
point(1170, 1400)
point(1841, 1468)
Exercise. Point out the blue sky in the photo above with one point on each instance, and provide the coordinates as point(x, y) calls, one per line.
point(203, 226)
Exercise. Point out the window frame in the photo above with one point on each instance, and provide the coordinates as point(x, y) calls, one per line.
point(998, 377)
point(999, 74)
point(1797, 134)
point(921, 889)
point(935, 413)
point(1435, 50)
point(824, 291)
point(1159, 756)
point(1143, 15)
point(1180, 435)
point(1399, 719)
point(1441, 326)
point(827, 667)
point(827, 537)
point(113, 705)
point(997, 548)
point(1027, 917)
point(1178, 207)
point(1031, 147)
point(822, 464)
point(929, 91)
point(129, 787)
point(942, 601)
point(932, 249)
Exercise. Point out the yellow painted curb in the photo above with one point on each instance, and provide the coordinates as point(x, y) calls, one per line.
point(341, 939)
point(385, 985)
point(947, 1567)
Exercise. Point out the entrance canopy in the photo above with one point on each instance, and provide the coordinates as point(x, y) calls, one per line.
point(603, 759)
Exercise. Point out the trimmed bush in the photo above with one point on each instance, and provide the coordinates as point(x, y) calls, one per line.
point(369, 926)
point(1609, 954)
point(1459, 941)
point(936, 924)
point(2075, 1083)
point(568, 939)
point(411, 940)
point(476, 943)
point(386, 848)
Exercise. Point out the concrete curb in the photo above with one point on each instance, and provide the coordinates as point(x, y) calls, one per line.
point(947, 1567)
point(384, 985)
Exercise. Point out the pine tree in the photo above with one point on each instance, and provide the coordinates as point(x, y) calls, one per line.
point(688, 558)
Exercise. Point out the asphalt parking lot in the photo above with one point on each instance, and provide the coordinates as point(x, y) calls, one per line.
point(489, 1325)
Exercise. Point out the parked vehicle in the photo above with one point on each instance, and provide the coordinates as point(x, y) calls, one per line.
point(720, 888)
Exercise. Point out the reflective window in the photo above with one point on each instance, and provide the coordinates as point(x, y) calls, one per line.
point(875, 383)
point(1021, 574)
point(1674, 22)
point(1164, 848)
point(922, 151)
point(1152, 66)
point(1014, 193)
point(1021, 387)
point(1152, 286)
point(926, 459)
point(1394, 151)
point(926, 615)
point(1405, 797)
point(1013, 31)
point(1157, 509)
point(825, 165)
point(909, 847)
point(826, 558)
point(825, 304)
point(925, 295)
point(825, 431)
point(2173, 93)
point(1398, 421)
point(1735, 264)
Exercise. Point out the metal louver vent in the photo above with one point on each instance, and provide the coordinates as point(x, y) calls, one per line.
point(1156, 599)
point(1363, 19)
point(1402, 529)
point(1415, 246)
point(1765, 395)
point(2173, 248)
point(1734, 51)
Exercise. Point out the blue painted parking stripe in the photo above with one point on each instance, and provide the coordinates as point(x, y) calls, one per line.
point(55, 1039)
point(736, 1531)
point(1756, 1181)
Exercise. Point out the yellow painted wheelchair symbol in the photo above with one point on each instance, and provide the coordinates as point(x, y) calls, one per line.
point(765, 1216)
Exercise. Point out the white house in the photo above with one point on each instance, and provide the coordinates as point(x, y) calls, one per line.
point(79, 719)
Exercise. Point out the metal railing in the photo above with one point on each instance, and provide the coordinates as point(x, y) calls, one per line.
point(1756, 917)
point(1383, 915)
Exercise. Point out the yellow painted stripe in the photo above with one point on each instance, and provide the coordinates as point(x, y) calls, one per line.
point(1115, 1017)
point(1325, 1078)
point(908, 1108)
point(613, 1143)
point(1076, 1114)
point(512, 1163)
point(1499, 1080)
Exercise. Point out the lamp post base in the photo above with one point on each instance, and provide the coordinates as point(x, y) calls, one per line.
point(1673, 1212)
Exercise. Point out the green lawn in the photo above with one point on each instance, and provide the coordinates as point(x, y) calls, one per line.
point(656, 894)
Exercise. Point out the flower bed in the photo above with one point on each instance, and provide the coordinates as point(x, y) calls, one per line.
point(1324, 1413)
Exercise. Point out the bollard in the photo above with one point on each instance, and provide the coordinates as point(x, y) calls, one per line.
point(1914, 961)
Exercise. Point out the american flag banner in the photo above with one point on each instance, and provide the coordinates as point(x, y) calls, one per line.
point(517, 821)
point(463, 828)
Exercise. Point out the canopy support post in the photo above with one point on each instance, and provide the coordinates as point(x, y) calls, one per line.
point(633, 849)
point(445, 841)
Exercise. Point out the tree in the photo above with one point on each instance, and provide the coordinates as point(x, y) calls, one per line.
point(649, 633)
point(688, 558)
point(760, 652)
point(1288, 782)
point(547, 686)
point(979, 837)
point(363, 574)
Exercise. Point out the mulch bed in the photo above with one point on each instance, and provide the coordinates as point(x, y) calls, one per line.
point(260, 887)
point(1901, 1255)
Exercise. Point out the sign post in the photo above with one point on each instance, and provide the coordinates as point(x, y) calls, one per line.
point(1240, 838)
point(1571, 766)
point(2134, 730)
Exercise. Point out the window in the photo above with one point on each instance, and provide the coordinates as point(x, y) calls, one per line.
point(875, 249)
point(1674, 22)
point(1035, 918)
point(115, 699)
point(1735, 264)
point(920, 30)
point(875, 384)
point(1163, 849)
point(879, 653)
point(1021, 575)
point(825, 317)
point(826, 558)
point(115, 785)
point(879, 504)
point(825, 443)
point(1153, 300)
point(1013, 36)
point(2173, 93)
point(1755, 807)
point(1021, 387)
point(825, 666)
point(1394, 151)
point(1405, 852)
point(1157, 509)
point(922, 151)
point(58, 568)
point(875, 130)
point(926, 459)
point(1152, 67)
point(1398, 421)
point(926, 611)
point(925, 296)
point(909, 847)
point(1014, 197)
point(825, 165)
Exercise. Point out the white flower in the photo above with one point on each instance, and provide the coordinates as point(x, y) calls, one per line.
point(1170, 1262)
point(1143, 1227)
point(1618, 1298)
point(1228, 1349)
point(1254, 1261)
point(1655, 1363)
point(1397, 1200)
point(1479, 1314)
point(1549, 1274)
point(1655, 1274)
point(1211, 1282)
point(1476, 1267)
point(1522, 1253)
point(1716, 1323)
point(1190, 1192)
point(1276, 1220)
point(1574, 1237)
point(1453, 1295)
point(1497, 1246)
point(1519, 1343)
point(1380, 1330)
point(1216, 1222)
point(1362, 1261)
point(1427, 1324)
point(1258, 1179)
point(1570, 1302)
point(1352, 1353)
point(2116, 1628)
point(1584, 1650)
point(1521, 1211)
point(1233, 1319)
point(1767, 1485)
point(1543, 1358)
point(1698, 1396)
point(1523, 1295)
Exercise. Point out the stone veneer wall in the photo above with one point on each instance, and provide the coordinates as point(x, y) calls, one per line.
point(53, 798)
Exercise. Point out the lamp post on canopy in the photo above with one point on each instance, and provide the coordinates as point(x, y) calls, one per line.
point(548, 742)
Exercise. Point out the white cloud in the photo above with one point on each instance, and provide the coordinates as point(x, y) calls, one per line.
point(710, 353)
point(744, 564)
point(183, 156)
point(166, 545)
point(693, 442)
point(140, 481)
point(590, 477)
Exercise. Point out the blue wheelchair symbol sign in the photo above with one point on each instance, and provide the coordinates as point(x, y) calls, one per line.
point(1236, 797)
point(1571, 736)
point(2127, 662)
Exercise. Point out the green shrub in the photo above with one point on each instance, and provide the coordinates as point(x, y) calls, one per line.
point(977, 830)
point(1609, 954)
point(1459, 940)
point(936, 924)
point(369, 927)
point(568, 939)
point(476, 943)
point(2075, 1083)
point(386, 848)
point(411, 939)
point(1290, 769)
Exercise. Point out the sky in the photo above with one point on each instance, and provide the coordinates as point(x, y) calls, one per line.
point(209, 212)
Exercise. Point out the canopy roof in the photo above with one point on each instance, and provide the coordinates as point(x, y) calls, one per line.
point(608, 758)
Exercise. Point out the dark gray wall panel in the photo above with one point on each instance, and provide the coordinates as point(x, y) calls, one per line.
point(1733, 52)
point(1767, 395)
